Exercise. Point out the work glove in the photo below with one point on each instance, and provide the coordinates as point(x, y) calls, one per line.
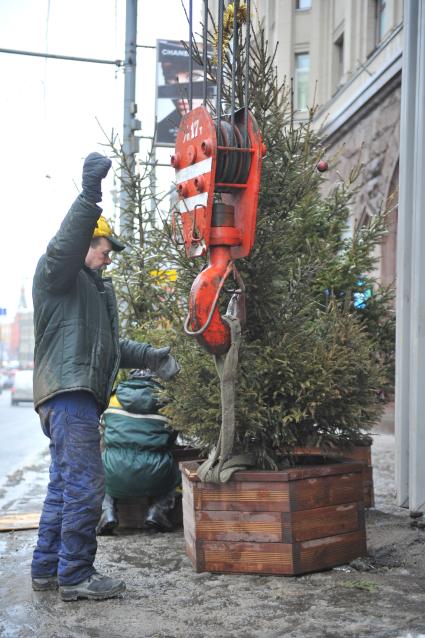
point(160, 361)
point(95, 168)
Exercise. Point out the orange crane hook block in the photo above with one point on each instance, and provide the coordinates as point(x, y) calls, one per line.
point(218, 172)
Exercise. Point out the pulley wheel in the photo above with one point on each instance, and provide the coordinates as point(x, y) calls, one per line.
point(225, 162)
point(239, 177)
point(245, 158)
point(221, 158)
point(233, 156)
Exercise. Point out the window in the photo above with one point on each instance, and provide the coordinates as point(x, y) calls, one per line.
point(302, 72)
point(302, 5)
point(339, 60)
point(381, 20)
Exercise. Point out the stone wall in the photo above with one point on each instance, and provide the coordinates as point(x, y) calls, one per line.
point(371, 137)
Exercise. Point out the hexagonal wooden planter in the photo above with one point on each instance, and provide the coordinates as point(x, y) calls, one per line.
point(290, 522)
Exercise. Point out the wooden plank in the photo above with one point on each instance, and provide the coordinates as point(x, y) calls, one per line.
point(19, 521)
point(193, 552)
point(188, 489)
point(368, 495)
point(188, 508)
point(299, 472)
point(239, 526)
point(324, 491)
point(131, 512)
point(247, 558)
point(325, 521)
point(186, 453)
point(189, 468)
point(368, 491)
point(323, 553)
point(242, 497)
point(368, 473)
point(359, 453)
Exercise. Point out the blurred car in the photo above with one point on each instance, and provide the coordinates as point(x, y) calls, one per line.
point(21, 390)
point(8, 377)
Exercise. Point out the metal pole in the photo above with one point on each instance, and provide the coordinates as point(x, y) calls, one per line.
point(234, 60)
point(190, 52)
point(130, 110)
point(219, 62)
point(247, 50)
point(54, 56)
point(404, 253)
point(204, 49)
point(417, 324)
point(152, 185)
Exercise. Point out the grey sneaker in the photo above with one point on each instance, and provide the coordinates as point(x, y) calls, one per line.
point(96, 587)
point(45, 584)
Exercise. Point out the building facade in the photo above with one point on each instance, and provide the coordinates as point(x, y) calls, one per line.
point(345, 60)
point(20, 343)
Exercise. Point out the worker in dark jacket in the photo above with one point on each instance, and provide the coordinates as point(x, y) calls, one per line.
point(76, 358)
point(137, 456)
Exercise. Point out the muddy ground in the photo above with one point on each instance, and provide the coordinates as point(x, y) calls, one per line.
point(381, 595)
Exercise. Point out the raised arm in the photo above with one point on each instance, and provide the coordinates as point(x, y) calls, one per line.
point(66, 252)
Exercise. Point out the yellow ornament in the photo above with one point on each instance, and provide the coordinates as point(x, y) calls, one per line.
point(228, 27)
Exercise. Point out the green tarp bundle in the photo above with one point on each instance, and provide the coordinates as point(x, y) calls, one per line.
point(137, 443)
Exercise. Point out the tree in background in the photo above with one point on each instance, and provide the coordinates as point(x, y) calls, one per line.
point(314, 368)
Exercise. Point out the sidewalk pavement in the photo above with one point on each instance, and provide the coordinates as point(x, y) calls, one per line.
point(380, 596)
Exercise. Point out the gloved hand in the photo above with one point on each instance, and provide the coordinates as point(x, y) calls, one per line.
point(160, 361)
point(95, 168)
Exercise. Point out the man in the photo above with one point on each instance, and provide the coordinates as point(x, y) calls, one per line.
point(76, 358)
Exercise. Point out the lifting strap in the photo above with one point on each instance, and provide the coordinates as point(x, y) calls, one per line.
point(221, 465)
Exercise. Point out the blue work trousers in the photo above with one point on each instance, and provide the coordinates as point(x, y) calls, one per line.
point(67, 543)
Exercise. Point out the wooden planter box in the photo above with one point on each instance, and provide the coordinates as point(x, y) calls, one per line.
point(360, 453)
point(131, 512)
point(290, 522)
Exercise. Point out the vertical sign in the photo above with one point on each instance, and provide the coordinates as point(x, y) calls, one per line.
point(172, 90)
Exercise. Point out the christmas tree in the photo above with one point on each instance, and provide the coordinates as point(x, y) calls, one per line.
point(316, 361)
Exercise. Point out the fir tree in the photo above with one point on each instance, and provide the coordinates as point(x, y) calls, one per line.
point(313, 367)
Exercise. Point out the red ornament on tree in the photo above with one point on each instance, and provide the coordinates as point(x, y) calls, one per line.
point(322, 166)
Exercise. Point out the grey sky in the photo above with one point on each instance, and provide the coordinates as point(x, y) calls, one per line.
point(48, 112)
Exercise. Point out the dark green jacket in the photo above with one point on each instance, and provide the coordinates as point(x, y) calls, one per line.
point(75, 317)
point(137, 456)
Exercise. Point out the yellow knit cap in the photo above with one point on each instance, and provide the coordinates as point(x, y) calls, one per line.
point(103, 229)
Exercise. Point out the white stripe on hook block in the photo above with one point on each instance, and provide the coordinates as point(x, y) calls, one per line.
point(194, 170)
point(189, 203)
